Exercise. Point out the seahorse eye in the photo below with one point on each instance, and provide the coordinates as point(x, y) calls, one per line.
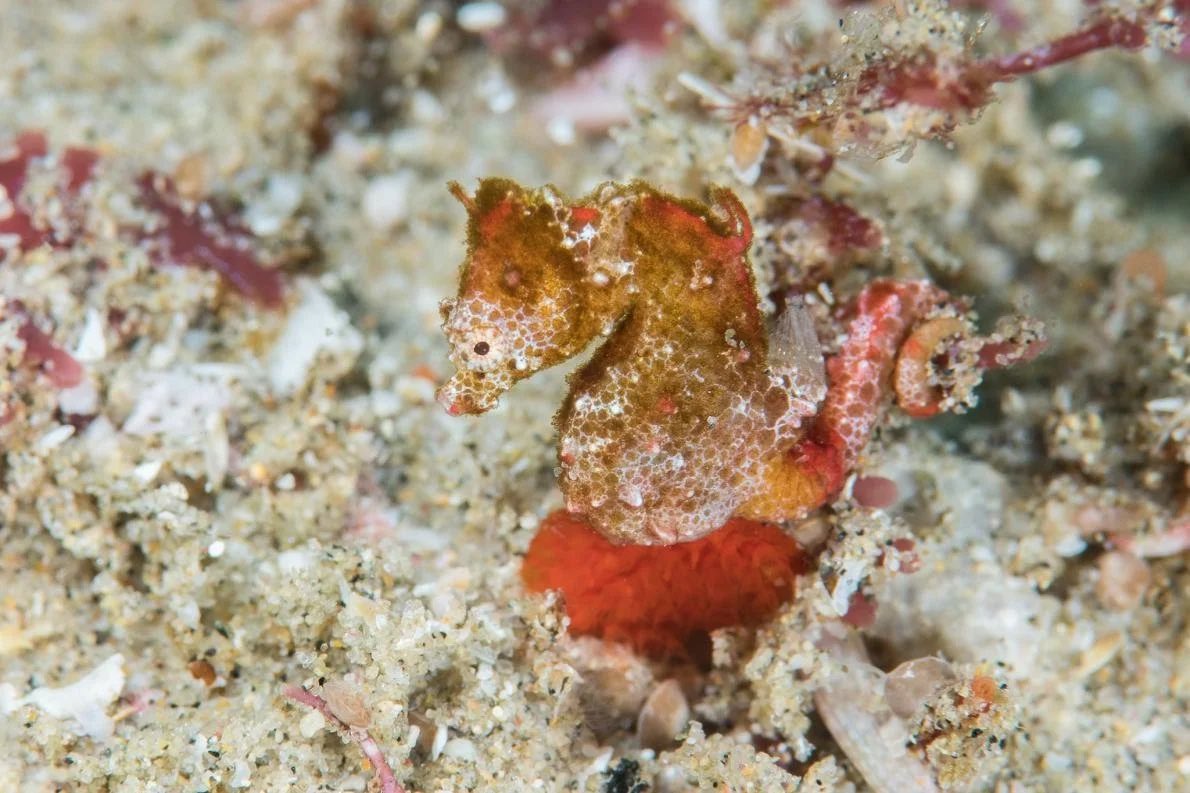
point(482, 348)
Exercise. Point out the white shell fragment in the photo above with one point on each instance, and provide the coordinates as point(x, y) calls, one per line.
point(85, 701)
point(92, 346)
point(281, 199)
point(386, 200)
point(315, 327)
point(176, 402)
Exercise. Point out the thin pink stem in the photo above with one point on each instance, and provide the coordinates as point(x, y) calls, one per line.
point(1112, 32)
point(388, 782)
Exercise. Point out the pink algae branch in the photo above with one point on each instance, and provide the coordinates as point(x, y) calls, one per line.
point(367, 744)
point(897, 94)
point(1104, 34)
point(925, 82)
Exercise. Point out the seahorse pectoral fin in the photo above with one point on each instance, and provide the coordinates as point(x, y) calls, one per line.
point(729, 204)
point(795, 356)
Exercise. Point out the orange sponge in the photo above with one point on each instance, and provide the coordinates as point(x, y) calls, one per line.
point(663, 600)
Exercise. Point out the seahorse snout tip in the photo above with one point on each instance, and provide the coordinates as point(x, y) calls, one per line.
point(458, 397)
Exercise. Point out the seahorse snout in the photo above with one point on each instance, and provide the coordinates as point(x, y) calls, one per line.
point(469, 393)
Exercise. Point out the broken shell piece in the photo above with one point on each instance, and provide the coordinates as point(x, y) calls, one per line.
point(663, 717)
point(873, 738)
point(346, 704)
point(914, 683)
point(749, 142)
point(1123, 579)
point(85, 701)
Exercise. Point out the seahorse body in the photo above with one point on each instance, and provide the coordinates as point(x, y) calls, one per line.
point(666, 429)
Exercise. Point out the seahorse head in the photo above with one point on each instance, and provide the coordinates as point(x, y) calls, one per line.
point(519, 307)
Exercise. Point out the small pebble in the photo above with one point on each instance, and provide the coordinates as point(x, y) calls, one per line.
point(1123, 580)
point(663, 716)
point(480, 17)
point(386, 200)
point(311, 724)
point(874, 492)
point(914, 683)
point(344, 701)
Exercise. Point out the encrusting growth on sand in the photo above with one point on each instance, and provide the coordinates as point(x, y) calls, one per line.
point(691, 412)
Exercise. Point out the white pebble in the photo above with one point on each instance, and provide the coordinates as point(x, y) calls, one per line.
point(480, 17)
point(91, 344)
point(561, 131)
point(311, 724)
point(147, 472)
point(386, 200)
point(55, 437)
point(461, 749)
point(428, 26)
point(80, 400)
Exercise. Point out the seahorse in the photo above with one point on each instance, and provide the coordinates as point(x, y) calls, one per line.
point(691, 432)
point(667, 430)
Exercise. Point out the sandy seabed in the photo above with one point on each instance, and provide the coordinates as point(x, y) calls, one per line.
point(244, 492)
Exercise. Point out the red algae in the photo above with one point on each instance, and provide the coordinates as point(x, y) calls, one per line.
point(59, 366)
point(199, 237)
point(14, 167)
point(214, 243)
point(662, 600)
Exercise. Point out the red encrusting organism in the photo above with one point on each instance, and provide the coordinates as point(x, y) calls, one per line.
point(663, 600)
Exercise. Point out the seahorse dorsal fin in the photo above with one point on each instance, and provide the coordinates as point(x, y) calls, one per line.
point(458, 192)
